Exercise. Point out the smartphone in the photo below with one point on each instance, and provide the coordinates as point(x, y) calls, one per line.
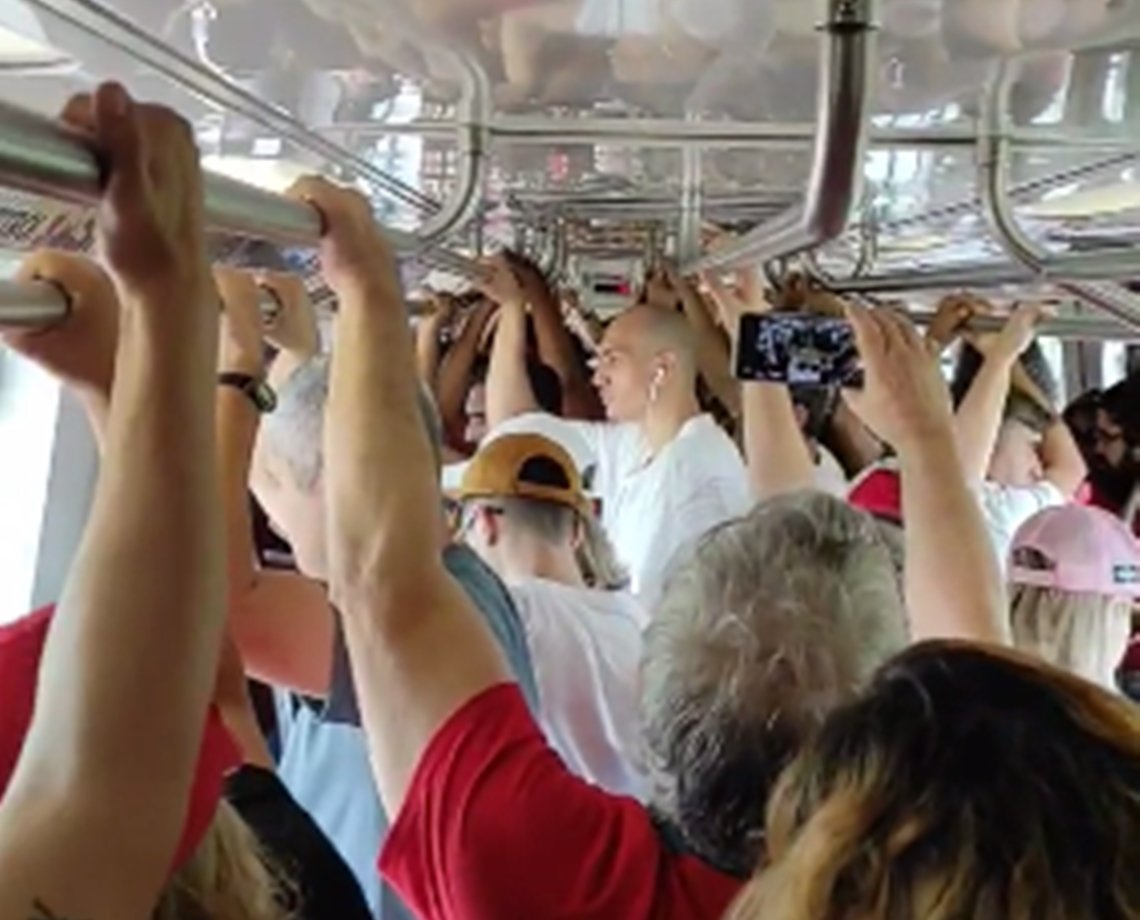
point(798, 349)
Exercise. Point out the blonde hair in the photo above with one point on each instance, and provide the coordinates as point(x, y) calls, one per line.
point(229, 877)
point(968, 781)
point(1085, 634)
point(597, 558)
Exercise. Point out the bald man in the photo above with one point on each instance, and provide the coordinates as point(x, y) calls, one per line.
point(665, 472)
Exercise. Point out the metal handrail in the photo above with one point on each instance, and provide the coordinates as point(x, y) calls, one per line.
point(39, 305)
point(968, 275)
point(113, 29)
point(41, 156)
point(465, 201)
point(997, 206)
point(521, 130)
point(833, 189)
point(1064, 328)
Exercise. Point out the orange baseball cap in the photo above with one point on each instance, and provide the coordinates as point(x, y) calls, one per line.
point(524, 466)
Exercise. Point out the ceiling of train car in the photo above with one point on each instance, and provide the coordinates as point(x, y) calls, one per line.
point(615, 126)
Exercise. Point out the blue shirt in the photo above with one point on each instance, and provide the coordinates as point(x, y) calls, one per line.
point(324, 760)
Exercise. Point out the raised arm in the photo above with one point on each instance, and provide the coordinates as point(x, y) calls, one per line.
point(1061, 458)
point(281, 621)
point(80, 352)
point(293, 330)
point(429, 352)
point(853, 443)
point(241, 353)
point(714, 348)
point(509, 392)
point(774, 446)
point(978, 420)
point(418, 648)
point(953, 585)
point(455, 373)
point(90, 821)
point(556, 344)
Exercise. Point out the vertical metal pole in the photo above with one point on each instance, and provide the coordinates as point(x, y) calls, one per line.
point(846, 78)
point(689, 233)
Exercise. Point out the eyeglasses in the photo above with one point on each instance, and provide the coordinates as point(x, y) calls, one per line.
point(468, 515)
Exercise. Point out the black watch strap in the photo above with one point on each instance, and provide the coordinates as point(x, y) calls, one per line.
point(259, 392)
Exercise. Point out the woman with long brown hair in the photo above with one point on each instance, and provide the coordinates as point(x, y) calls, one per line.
point(968, 782)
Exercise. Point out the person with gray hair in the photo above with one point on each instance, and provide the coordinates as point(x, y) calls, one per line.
point(491, 822)
point(283, 622)
point(781, 616)
point(774, 619)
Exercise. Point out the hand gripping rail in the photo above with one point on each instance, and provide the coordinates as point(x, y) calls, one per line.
point(1065, 328)
point(41, 157)
point(846, 72)
point(111, 28)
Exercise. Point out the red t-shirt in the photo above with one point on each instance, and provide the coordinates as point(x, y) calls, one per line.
point(494, 827)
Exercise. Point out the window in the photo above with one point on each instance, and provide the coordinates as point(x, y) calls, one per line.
point(29, 406)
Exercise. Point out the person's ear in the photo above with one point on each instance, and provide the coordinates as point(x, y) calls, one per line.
point(489, 526)
point(578, 536)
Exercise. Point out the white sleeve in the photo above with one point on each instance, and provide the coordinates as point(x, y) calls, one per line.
point(1014, 505)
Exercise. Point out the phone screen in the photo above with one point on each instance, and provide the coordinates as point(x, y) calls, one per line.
point(799, 349)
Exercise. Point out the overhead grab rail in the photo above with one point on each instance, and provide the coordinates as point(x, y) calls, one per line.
point(37, 305)
point(522, 130)
point(111, 28)
point(1065, 328)
point(846, 72)
point(969, 275)
point(40, 304)
point(40, 156)
point(1081, 274)
point(465, 201)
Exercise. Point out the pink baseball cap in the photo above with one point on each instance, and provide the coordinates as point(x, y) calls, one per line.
point(1078, 549)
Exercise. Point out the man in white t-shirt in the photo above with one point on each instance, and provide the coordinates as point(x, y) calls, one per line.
point(524, 512)
point(665, 472)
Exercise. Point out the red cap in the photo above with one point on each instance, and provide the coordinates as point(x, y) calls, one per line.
point(21, 647)
point(879, 492)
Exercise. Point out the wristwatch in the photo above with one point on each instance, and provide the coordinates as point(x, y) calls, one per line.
point(259, 392)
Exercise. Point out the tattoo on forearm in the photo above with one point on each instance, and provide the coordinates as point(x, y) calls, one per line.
point(40, 911)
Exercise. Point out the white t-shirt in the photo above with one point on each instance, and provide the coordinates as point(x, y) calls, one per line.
point(654, 510)
point(1007, 508)
point(585, 647)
